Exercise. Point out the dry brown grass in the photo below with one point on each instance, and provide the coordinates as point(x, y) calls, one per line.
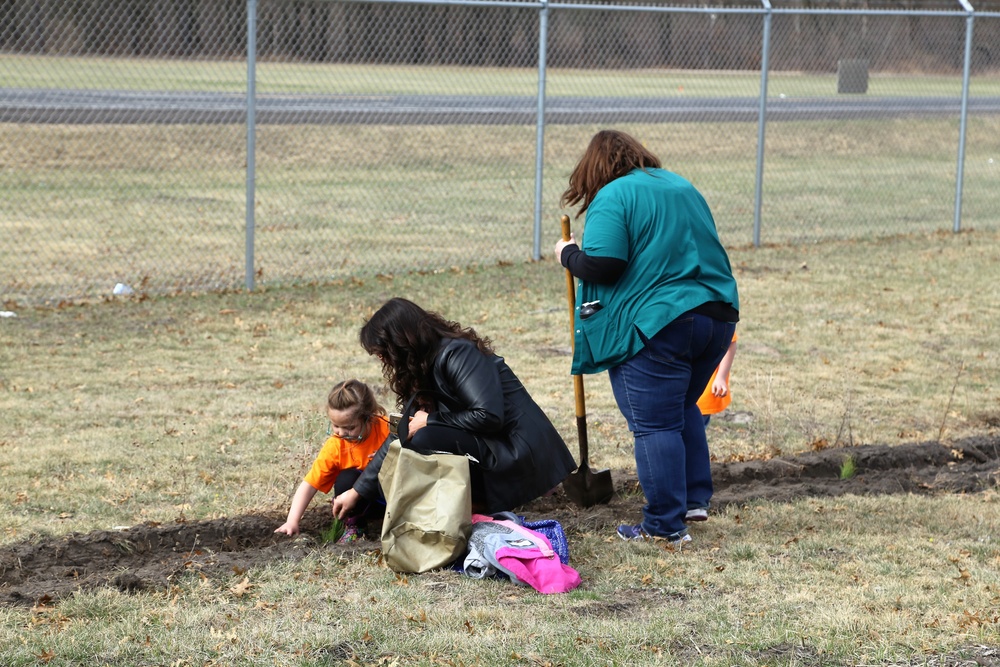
point(89, 206)
point(208, 405)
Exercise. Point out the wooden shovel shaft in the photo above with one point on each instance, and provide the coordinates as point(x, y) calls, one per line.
point(581, 409)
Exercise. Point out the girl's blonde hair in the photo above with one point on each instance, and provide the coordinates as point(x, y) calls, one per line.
point(356, 396)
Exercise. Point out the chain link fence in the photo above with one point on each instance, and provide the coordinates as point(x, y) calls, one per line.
point(177, 145)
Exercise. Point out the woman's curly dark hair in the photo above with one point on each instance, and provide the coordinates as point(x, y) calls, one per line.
point(406, 338)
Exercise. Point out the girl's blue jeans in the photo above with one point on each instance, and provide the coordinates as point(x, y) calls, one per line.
point(657, 391)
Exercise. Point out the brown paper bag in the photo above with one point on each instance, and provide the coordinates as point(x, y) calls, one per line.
point(428, 509)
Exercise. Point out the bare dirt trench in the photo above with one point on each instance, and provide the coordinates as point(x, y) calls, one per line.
point(149, 557)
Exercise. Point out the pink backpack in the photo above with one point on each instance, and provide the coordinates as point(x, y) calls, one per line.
point(526, 556)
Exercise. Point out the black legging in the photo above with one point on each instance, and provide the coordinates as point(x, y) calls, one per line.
point(437, 438)
point(345, 482)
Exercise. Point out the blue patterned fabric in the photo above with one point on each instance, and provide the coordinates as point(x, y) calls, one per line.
point(552, 529)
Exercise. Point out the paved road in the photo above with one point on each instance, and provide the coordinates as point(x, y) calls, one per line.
point(126, 107)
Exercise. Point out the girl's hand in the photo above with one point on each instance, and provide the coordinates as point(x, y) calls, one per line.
point(288, 528)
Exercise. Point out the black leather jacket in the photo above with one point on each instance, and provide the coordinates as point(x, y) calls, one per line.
point(481, 395)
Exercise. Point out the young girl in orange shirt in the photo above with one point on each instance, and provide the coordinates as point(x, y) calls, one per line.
point(358, 428)
point(716, 396)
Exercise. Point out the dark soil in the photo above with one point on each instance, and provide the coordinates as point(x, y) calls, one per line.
point(150, 556)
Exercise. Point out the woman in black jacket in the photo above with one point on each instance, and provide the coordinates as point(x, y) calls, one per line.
point(464, 399)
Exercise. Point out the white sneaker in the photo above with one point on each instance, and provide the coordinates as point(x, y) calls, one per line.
point(635, 532)
point(696, 514)
point(678, 543)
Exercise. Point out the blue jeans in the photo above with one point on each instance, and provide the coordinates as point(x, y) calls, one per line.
point(657, 391)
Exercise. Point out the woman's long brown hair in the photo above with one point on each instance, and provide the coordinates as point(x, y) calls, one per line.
point(610, 155)
point(406, 338)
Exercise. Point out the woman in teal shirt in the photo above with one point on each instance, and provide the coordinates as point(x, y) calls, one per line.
point(657, 305)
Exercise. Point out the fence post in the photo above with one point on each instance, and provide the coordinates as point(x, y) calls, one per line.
point(251, 137)
point(761, 122)
point(966, 68)
point(543, 38)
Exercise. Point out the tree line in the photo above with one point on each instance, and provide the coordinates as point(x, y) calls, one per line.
point(380, 33)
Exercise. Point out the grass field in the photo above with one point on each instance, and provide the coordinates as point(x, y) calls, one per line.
point(164, 206)
point(170, 410)
point(208, 405)
point(19, 71)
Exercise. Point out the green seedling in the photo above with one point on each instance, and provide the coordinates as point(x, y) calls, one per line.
point(333, 532)
point(848, 468)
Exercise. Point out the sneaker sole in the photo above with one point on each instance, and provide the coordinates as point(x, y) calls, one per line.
point(674, 545)
point(677, 544)
point(641, 538)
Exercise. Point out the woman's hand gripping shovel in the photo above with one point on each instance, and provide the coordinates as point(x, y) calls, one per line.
point(584, 486)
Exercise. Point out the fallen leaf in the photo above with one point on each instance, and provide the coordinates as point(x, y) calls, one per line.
point(241, 589)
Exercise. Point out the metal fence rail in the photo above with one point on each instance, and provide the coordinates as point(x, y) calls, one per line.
point(167, 146)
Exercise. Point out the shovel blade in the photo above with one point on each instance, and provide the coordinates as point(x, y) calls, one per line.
point(587, 487)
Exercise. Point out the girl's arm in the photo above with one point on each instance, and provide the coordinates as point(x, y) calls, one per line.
point(721, 385)
point(300, 501)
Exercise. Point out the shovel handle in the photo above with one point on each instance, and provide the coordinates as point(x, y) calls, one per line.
point(581, 409)
point(570, 289)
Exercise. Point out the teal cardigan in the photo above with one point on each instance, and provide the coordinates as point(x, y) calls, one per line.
point(662, 227)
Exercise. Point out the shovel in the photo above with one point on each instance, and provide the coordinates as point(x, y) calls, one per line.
point(584, 486)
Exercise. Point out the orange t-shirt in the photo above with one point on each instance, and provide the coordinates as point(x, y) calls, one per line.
point(710, 404)
point(338, 454)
